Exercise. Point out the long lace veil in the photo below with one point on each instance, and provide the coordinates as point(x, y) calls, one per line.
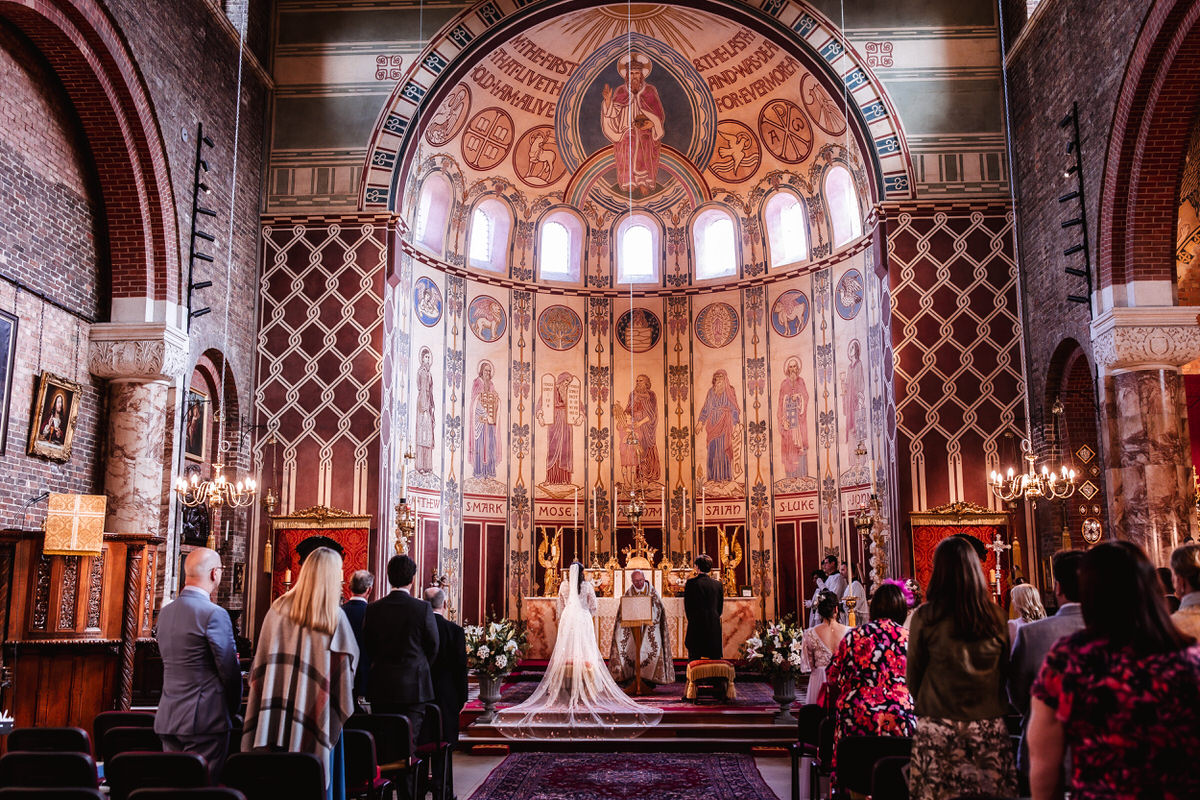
point(577, 698)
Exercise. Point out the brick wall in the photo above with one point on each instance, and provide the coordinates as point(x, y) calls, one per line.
point(51, 241)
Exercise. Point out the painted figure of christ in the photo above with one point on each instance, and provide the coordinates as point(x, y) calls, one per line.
point(632, 118)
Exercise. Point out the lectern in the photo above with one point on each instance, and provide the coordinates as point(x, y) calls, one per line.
point(637, 612)
point(71, 624)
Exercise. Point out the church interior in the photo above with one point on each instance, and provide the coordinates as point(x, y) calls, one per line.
point(502, 286)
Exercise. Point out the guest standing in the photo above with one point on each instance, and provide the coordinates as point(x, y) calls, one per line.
point(819, 643)
point(868, 673)
point(957, 663)
point(302, 679)
point(449, 683)
point(1035, 640)
point(703, 601)
point(355, 609)
point(1185, 563)
point(1167, 582)
point(1026, 607)
point(202, 684)
point(1123, 694)
point(401, 638)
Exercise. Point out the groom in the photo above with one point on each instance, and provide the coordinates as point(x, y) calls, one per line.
point(654, 660)
point(703, 601)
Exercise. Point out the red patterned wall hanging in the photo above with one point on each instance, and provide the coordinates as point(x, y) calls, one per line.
point(352, 532)
point(930, 527)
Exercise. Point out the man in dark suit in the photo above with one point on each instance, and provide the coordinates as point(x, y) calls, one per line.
point(400, 637)
point(1034, 640)
point(449, 681)
point(703, 601)
point(361, 584)
point(202, 684)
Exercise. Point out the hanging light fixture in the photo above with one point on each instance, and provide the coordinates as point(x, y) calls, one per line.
point(1032, 485)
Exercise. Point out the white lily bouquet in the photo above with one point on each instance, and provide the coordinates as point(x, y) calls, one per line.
point(775, 648)
point(493, 649)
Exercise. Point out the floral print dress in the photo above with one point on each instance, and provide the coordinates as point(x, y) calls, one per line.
point(867, 675)
point(1132, 722)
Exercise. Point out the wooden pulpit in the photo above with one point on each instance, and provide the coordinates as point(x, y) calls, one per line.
point(637, 611)
point(71, 624)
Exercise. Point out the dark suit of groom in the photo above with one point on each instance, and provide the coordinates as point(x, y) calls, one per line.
point(401, 638)
point(703, 601)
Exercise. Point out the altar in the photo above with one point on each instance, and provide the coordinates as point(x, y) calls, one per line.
point(540, 614)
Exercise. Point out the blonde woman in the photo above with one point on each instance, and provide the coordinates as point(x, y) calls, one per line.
point(302, 679)
point(1026, 604)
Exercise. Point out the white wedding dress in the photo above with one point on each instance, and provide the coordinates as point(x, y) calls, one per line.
point(577, 697)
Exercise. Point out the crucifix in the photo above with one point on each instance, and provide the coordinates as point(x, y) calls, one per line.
point(998, 547)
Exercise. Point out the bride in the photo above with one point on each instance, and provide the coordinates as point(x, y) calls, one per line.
point(577, 698)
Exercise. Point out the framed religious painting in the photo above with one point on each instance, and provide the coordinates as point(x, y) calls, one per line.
point(8, 352)
point(195, 425)
point(52, 426)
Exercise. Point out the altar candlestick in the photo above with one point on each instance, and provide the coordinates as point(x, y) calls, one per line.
point(703, 509)
point(683, 506)
point(287, 575)
point(596, 507)
point(575, 522)
point(874, 493)
point(664, 509)
point(404, 479)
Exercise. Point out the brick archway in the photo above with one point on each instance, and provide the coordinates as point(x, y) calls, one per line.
point(1146, 147)
point(82, 45)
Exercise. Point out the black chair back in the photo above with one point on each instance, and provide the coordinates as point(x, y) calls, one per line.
point(825, 734)
point(107, 720)
point(50, 740)
point(392, 734)
point(207, 793)
point(362, 766)
point(263, 775)
point(129, 740)
point(888, 779)
point(857, 755)
point(128, 771)
point(57, 793)
point(58, 770)
point(808, 724)
point(430, 736)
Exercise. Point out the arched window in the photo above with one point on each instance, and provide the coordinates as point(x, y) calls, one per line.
point(714, 248)
point(560, 247)
point(487, 241)
point(842, 200)
point(433, 211)
point(637, 250)
point(787, 229)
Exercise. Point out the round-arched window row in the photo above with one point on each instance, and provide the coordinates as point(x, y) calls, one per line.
point(637, 252)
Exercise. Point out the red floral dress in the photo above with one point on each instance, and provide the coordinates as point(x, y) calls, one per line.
point(868, 675)
point(1132, 722)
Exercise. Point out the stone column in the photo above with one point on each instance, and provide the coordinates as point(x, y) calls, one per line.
point(1139, 352)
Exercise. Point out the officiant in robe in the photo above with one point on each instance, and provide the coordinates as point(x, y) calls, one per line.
point(654, 660)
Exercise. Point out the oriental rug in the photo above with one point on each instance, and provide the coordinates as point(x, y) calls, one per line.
point(625, 776)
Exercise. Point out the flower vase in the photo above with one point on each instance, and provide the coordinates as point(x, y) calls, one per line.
point(489, 695)
point(785, 695)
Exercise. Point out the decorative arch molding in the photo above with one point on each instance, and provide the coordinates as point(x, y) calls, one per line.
point(1146, 147)
point(797, 27)
point(83, 46)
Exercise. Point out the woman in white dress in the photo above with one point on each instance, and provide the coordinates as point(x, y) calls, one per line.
point(819, 644)
point(577, 697)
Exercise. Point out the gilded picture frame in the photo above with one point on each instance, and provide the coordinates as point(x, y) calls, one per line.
point(52, 423)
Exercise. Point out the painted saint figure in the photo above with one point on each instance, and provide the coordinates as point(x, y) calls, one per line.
point(639, 462)
point(425, 413)
point(559, 453)
point(632, 118)
point(792, 416)
point(485, 405)
point(719, 417)
point(854, 395)
point(54, 420)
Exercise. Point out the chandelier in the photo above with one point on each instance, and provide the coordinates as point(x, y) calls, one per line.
point(1032, 485)
point(215, 491)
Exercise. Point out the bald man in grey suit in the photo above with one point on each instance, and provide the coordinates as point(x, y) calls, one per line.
point(202, 683)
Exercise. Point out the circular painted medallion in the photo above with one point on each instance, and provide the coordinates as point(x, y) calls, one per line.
point(737, 154)
point(535, 158)
point(785, 131)
point(825, 113)
point(486, 317)
point(717, 324)
point(789, 313)
point(427, 302)
point(638, 330)
point(488, 138)
point(849, 295)
point(448, 120)
point(559, 328)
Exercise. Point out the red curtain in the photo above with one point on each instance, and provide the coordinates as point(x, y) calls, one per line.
point(352, 540)
point(926, 538)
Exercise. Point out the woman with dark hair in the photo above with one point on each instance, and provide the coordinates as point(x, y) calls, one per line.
point(820, 642)
point(1123, 693)
point(867, 674)
point(957, 666)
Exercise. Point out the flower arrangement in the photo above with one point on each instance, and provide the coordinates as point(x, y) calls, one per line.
point(493, 649)
point(775, 648)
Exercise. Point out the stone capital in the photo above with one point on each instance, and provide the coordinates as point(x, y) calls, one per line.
point(1146, 337)
point(137, 351)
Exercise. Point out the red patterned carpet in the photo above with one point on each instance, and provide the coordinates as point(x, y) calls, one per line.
point(625, 776)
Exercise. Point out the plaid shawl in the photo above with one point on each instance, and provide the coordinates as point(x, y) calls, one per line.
point(301, 686)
